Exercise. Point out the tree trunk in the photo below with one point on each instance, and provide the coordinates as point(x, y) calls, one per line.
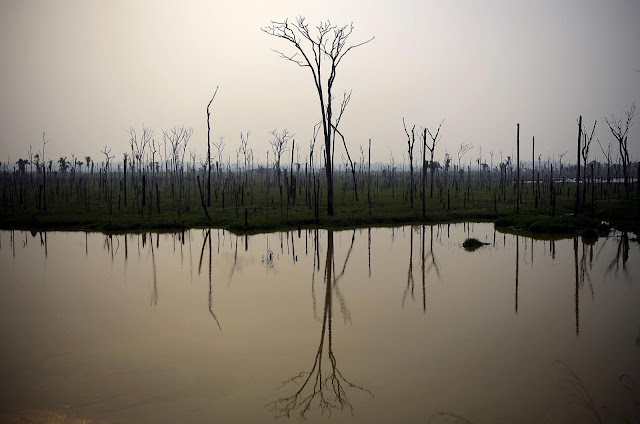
point(575, 212)
point(518, 171)
point(328, 173)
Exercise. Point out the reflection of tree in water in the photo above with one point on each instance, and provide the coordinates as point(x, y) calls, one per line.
point(109, 247)
point(426, 269)
point(622, 252)
point(327, 391)
point(207, 237)
point(584, 265)
point(410, 280)
point(517, 269)
point(154, 296)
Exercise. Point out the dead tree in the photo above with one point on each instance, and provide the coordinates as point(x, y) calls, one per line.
point(353, 169)
point(44, 174)
point(320, 49)
point(620, 130)
point(518, 172)
point(585, 154)
point(108, 157)
point(244, 142)
point(464, 148)
point(607, 156)
point(209, 148)
point(411, 139)
point(434, 141)
point(124, 162)
point(220, 148)
point(575, 212)
point(279, 144)
point(343, 106)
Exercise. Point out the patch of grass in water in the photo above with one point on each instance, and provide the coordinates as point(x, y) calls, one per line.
point(472, 244)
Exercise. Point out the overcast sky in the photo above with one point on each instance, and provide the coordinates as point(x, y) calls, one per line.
point(85, 71)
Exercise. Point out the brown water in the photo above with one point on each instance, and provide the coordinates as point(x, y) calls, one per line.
point(377, 326)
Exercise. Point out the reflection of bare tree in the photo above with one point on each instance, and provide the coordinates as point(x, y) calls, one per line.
point(369, 249)
point(315, 388)
point(432, 266)
point(207, 237)
point(426, 269)
point(410, 280)
point(517, 269)
point(621, 253)
point(154, 296)
point(313, 273)
point(268, 256)
point(585, 266)
point(577, 294)
point(235, 262)
point(109, 247)
point(343, 306)
point(44, 243)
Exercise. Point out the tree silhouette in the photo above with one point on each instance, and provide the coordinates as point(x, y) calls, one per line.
point(620, 130)
point(319, 50)
point(327, 391)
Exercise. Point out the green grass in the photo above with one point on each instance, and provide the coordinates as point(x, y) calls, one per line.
point(68, 204)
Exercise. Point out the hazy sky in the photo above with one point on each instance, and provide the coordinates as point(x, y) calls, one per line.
point(86, 71)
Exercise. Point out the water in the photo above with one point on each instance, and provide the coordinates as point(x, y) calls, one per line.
point(411, 327)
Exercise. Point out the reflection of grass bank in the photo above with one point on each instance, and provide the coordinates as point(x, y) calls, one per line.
point(547, 224)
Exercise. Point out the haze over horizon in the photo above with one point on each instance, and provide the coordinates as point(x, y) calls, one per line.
point(85, 72)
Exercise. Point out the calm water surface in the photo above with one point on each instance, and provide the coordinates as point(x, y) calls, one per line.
point(377, 326)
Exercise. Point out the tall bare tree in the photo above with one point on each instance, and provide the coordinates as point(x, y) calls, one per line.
point(586, 144)
point(209, 148)
point(620, 130)
point(320, 49)
point(411, 139)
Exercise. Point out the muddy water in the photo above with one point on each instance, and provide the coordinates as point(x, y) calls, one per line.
point(374, 325)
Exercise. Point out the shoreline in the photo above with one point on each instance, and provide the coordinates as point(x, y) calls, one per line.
point(527, 224)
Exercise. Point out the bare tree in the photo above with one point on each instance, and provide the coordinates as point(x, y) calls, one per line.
point(343, 106)
point(434, 141)
point(220, 148)
point(44, 173)
point(138, 147)
point(464, 148)
point(620, 130)
point(209, 149)
point(320, 49)
point(107, 157)
point(585, 154)
point(279, 144)
point(411, 139)
point(244, 141)
point(353, 169)
point(607, 156)
point(575, 212)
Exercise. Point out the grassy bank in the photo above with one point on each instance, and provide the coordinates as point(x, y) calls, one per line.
point(255, 202)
